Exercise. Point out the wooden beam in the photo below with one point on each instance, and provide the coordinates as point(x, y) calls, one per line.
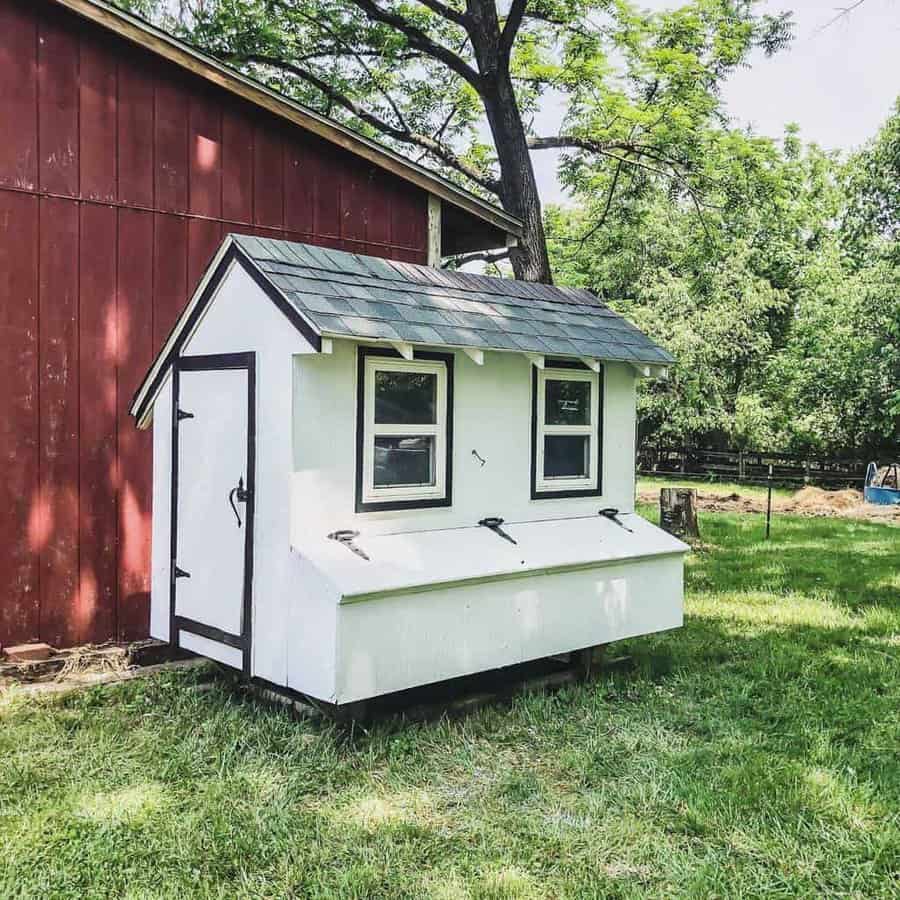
point(404, 349)
point(536, 359)
point(434, 231)
point(476, 355)
point(592, 364)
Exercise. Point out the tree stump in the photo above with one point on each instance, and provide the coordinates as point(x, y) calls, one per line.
point(678, 512)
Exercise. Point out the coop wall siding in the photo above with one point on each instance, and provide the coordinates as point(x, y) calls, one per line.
point(119, 176)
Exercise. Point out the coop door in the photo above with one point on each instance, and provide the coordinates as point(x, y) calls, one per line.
point(213, 506)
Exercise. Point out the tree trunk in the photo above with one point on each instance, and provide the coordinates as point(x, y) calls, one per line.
point(518, 187)
point(678, 512)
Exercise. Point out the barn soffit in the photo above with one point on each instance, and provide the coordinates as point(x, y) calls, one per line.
point(139, 31)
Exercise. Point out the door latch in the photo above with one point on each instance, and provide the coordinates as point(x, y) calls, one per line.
point(611, 513)
point(494, 523)
point(348, 538)
point(180, 573)
point(240, 494)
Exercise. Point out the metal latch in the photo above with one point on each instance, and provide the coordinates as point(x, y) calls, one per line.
point(241, 495)
point(347, 538)
point(180, 573)
point(611, 513)
point(184, 415)
point(494, 523)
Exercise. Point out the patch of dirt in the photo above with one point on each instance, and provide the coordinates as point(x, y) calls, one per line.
point(808, 501)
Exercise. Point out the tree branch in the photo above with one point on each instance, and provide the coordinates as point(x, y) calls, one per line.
point(420, 40)
point(485, 256)
point(511, 28)
point(398, 133)
point(446, 12)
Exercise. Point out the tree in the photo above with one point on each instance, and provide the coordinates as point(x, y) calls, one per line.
point(638, 93)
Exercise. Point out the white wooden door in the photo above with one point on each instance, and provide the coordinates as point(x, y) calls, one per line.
point(212, 564)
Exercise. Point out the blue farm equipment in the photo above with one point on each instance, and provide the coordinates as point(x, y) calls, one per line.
point(882, 485)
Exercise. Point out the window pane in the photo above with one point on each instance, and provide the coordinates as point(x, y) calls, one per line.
point(405, 398)
point(567, 456)
point(567, 402)
point(404, 461)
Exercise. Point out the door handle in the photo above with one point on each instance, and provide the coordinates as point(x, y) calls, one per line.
point(240, 494)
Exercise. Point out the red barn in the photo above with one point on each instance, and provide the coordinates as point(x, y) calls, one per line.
point(125, 158)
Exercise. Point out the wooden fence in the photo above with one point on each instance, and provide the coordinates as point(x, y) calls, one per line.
point(751, 466)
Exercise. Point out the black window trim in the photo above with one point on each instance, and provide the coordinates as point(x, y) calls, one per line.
point(362, 353)
point(555, 365)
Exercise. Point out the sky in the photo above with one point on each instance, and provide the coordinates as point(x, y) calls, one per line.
point(837, 83)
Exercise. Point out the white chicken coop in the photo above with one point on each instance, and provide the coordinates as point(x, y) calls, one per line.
point(370, 475)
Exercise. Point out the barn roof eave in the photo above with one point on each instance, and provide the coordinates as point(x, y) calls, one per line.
point(139, 31)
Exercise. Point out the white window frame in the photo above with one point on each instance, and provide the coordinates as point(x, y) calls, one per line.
point(373, 430)
point(543, 485)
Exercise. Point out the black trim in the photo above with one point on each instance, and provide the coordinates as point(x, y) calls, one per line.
point(182, 623)
point(385, 506)
point(557, 364)
point(184, 329)
point(244, 640)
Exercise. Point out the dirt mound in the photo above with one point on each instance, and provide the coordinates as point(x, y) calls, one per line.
point(814, 498)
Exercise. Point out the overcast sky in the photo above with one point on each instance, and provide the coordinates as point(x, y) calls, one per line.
point(837, 83)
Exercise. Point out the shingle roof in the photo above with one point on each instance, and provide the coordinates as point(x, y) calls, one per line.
point(346, 295)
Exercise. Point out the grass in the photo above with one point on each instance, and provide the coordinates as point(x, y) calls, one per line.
point(753, 753)
point(713, 486)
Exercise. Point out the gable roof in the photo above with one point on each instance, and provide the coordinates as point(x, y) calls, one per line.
point(328, 293)
point(139, 31)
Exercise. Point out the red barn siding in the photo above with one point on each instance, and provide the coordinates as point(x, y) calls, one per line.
point(119, 176)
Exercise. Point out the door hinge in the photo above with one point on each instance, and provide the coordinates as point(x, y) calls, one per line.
point(184, 415)
point(180, 573)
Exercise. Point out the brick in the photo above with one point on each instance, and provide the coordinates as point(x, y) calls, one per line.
point(28, 652)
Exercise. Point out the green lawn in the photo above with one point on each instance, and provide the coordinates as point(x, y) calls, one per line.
point(755, 752)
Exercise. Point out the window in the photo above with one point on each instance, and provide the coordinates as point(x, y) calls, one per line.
point(566, 447)
point(404, 431)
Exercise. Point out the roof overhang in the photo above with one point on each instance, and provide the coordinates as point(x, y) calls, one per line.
point(138, 31)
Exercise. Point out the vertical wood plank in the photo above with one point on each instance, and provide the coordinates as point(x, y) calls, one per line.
point(299, 188)
point(327, 200)
point(97, 132)
point(171, 146)
point(205, 148)
point(268, 174)
point(170, 248)
point(95, 606)
point(354, 209)
point(135, 349)
point(18, 97)
point(21, 533)
point(204, 237)
point(409, 219)
point(59, 427)
point(237, 166)
point(58, 55)
point(378, 228)
point(135, 134)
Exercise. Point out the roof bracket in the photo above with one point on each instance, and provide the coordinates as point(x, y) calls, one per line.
point(642, 369)
point(327, 345)
point(536, 359)
point(476, 355)
point(592, 364)
point(404, 349)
